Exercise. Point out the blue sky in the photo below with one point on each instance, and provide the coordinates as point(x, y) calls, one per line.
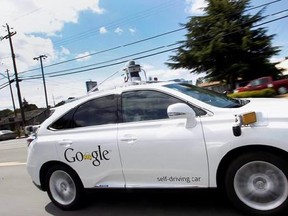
point(74, 28)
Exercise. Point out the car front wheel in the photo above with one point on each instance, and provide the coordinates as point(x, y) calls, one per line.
point(64, 187)
point(257, 183)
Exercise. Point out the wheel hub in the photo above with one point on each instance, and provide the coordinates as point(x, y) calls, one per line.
point(63, 187)
point(260, 184)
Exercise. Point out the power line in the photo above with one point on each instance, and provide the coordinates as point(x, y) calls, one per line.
point(128, 44)
point(143, 40)
point(104, 66)
point(279, 18)
point(141, 57)
point(4, 86)
point(2, 78)
point(4, 83)
point(108, 77)
point(107, 50)
point(11, 92)
point(88, 33)
point(27, 14)
point(9, 36)
point(124, 20)
point(266, 4)
point(108, 61)
point(113, 64)
point(158, 48)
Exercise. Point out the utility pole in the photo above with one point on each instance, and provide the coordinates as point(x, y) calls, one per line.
point(10, 34)
point(11, 92)
point(43, 77)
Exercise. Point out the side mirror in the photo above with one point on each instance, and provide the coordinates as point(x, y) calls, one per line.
point(180, 111)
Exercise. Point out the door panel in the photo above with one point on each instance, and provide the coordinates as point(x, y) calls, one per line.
point(157, 151)
point(86, 139)
point(163, 153)
point(93, 153)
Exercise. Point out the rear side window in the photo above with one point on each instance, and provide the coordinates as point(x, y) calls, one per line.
point(64, 122)
point(98, 111)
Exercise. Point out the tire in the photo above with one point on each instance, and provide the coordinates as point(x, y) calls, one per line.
point(282, 90)
point(257, 183)
point(64, 188)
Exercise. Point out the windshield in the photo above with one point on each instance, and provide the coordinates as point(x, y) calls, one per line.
point(206, 96)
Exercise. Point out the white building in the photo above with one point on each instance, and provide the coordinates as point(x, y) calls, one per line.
point(283, 65)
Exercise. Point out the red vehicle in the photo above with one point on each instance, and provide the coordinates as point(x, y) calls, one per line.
point(280, 86)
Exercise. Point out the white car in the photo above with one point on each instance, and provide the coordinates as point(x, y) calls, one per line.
point(165, 135)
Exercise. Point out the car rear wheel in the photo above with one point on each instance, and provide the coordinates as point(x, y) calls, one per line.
point(257, 183)
point(64, 187)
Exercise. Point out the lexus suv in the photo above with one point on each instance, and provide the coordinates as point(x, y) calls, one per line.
point(165, 135)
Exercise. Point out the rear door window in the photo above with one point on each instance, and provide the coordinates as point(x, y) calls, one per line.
point(146, 105)
point(98, 111)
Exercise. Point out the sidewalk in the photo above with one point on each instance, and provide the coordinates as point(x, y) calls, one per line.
point(282, 96)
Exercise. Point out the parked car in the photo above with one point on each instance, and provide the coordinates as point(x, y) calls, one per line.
point(280, 86)
point(7, 134)
point(165, 135)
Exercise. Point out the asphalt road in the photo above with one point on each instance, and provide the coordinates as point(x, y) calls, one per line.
point(19, 197)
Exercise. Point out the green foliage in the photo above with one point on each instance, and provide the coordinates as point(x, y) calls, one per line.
point(224, 45)
point(5, 113)
point(27, 106)
point(264, 93)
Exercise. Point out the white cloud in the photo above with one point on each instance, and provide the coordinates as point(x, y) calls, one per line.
point(118, 31)
point(103, 30)
point(26, 47)
point(153, 72)
point(168, 74)
point(283, 65)
point(61, 55)
point(147, 67)
point(31, 17)
point(65, 51)
point(83, 56)
point(57, 90)
point(42, 16)
point(195, 6)
point(132, 31)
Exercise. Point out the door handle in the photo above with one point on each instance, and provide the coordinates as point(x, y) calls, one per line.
point(128, 139)
point(65, 143)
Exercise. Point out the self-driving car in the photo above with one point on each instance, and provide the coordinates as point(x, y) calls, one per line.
point(165, 135)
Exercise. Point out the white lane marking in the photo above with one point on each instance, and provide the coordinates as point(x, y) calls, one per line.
point(16, 163)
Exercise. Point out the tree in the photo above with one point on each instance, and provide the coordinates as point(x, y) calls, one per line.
point(27, 106)
point(5, 113)
point(226, 44)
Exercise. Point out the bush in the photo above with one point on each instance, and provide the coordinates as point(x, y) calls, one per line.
point(264, 93)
